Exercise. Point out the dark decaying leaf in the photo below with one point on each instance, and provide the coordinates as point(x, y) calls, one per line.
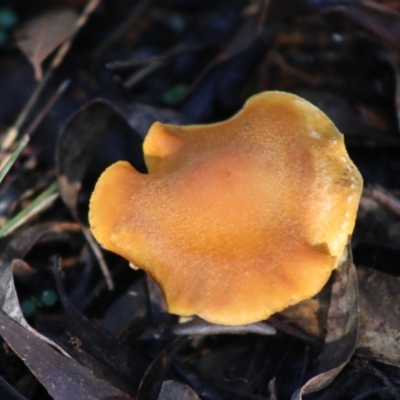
point(41, 35)
point(158, 306)
point(63, 377)
point(130, 312)
point(76, 147)
point(9, 303)
point(171, 390)
point(100, 350)
point(196, 381)
point(18, 246)
point(108, 354)
point(342, 328)
point(158, 370)
point(8, 392)
point(81, 136)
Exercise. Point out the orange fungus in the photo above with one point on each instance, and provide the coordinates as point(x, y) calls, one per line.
point(235, 220)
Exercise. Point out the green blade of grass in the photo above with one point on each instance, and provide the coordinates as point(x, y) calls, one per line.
point(6, 165)
point(38, 204)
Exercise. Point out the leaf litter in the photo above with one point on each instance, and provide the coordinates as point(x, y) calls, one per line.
point(120, 340)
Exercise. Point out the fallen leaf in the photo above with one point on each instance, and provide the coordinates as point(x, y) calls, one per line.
point(40, 36)
point(80, 140)
point(342, 328)
point(379, 316)
point(130, 312)
point(9, 304)
point(63, 377)
point(108, 356)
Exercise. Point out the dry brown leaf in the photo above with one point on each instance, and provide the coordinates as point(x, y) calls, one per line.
point(379, 316)
point(40, 36)
point(342, 328)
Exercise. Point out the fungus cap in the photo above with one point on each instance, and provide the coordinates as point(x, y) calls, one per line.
point(235, 220)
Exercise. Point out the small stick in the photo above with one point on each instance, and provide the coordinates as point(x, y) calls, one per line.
point(8, 162)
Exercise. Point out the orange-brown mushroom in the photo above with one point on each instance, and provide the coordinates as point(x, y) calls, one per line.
point(235, 220)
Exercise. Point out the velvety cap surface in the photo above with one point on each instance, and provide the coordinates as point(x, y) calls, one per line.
point(235, 220)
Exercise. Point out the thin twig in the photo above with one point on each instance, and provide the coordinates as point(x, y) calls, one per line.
point(99, 256)
point(8, 162)
point(368, 367)
point(90, 7)
point(141, 74)
point(173, 52)
point(13, 132)
point(385, 198)
point(134, 16)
